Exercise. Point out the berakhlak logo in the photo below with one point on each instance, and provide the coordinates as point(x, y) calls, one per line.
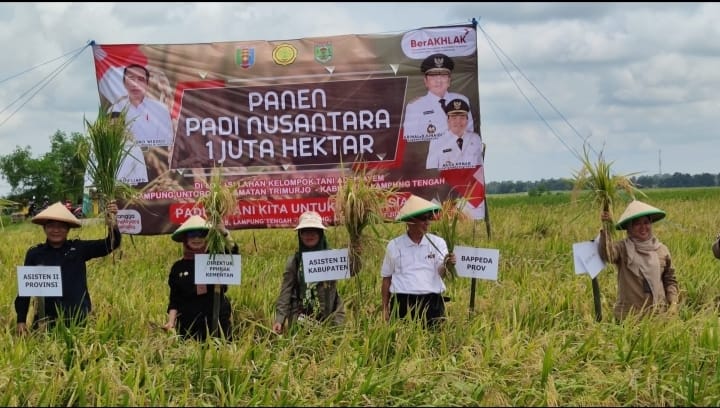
point(323, 52)
point(452, 41)
point(284, 54)
point(245, 57)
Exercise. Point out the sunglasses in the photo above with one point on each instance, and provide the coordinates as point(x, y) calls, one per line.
point(197, 234)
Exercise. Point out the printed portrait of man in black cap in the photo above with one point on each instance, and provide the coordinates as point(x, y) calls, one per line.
point(458, 147)
point(425, 118)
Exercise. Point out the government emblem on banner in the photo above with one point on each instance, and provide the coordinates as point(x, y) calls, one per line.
point(284, 54)
point(323, 52)
point(245, 57)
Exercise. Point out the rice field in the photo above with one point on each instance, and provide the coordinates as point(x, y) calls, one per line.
point(531, 340)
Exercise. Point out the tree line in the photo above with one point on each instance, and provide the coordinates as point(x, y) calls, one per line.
point(566, 184)
point(59, 174)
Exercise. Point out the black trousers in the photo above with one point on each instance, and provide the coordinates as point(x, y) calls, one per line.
point(429, 307)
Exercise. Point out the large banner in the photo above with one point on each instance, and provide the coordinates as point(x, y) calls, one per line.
point(285, 121)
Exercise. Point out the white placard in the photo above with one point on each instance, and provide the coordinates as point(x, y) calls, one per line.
point(586, 258)
point(327, 265)
point(39, 281)
point(479, 263)
point(218, 269)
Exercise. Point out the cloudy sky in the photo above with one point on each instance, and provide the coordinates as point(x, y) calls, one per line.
point(638, 81)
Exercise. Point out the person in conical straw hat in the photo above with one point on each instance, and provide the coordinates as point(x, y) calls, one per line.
point(414, 267)
point(716, 247)
point(299, 300)
point(190, 306)
point(70, 255)
point(646, 277)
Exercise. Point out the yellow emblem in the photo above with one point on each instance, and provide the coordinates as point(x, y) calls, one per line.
point(284, 54)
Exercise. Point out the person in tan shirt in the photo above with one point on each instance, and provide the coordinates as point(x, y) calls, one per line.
point(646, 277)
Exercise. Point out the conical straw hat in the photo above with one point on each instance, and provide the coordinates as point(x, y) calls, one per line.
point(310, 219)
point(193, 223)
point(415, 206)
point(56, 212)
point(637, 209)
point(716, 248)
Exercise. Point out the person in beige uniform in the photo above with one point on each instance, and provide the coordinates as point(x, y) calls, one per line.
point(646, 277)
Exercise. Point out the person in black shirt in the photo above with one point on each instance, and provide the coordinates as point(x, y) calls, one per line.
point(191, 305)
point(70, 255)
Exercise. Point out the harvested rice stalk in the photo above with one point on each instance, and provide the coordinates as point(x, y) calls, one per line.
point(358, 204)
point(605, 190)
point(218, 204)
point(446, 226)
point(107, 145)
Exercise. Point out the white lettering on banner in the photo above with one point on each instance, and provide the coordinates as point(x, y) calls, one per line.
point(318, 122)
point(272, 209)
point(288, 99)
point(319, 207)
point(428, 182)
point(289, 124)
point(187, 212)
point(293, 147)
point(289, 190)
point(251, 191)
point(313, 146)
point(173, 195)
point(395, 184)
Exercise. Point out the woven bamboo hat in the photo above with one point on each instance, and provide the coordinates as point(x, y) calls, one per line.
point(415, 206)
point(637, 209)
point(310, 219)
point(716, 248)
point(56, 212)
point(194, 223)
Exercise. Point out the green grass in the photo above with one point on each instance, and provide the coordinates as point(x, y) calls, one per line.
point(532, 339)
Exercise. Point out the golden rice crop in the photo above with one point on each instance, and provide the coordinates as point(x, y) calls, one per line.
point(446, 226)
point(218, 203)
point(358, 204)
